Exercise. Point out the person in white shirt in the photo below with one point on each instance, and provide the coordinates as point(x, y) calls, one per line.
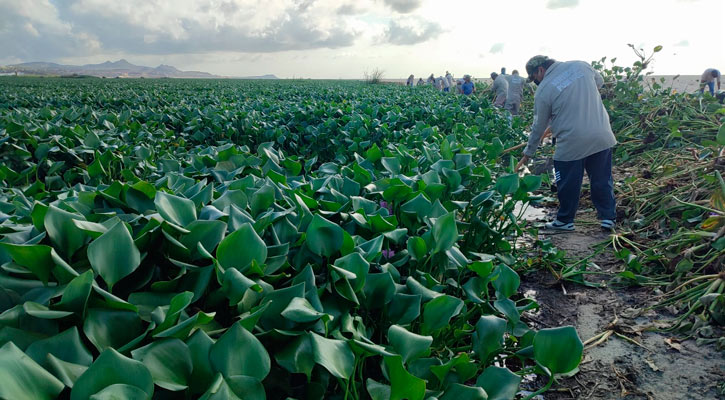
point(449, 78)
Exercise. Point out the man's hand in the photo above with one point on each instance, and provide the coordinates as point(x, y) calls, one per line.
point(524, 160)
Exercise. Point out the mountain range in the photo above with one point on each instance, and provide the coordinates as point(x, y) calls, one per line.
point(108, 69)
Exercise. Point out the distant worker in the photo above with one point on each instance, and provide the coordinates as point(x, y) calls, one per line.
point(467, 87)
point(515, 92)
point(431, 79)
point(708, 79)
point(503, 70)
point(449, 78)
point(500, 87)
point(439, 83)
point(568, 101)
point(411, 81)
point(420, 82)
point(446, 83)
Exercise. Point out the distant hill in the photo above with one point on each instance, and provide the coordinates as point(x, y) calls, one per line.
point(108, 69)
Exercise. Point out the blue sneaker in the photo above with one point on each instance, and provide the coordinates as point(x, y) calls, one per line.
point(557, 225)
point(607, 225)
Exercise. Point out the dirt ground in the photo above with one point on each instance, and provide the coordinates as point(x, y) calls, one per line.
point(647, 364)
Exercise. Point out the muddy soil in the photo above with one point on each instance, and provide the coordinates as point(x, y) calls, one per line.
point(635, 361)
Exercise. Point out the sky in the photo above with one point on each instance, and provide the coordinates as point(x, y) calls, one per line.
point(347, 38)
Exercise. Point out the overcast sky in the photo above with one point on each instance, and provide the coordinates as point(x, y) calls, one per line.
point(345, 38)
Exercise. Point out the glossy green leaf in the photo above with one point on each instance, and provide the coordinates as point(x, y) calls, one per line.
point(240, 248)
point(22, 378)
point(507, 184)
point(408, 344)
point(445, 232)
point(488, 336)
point(63, 233)
point(335, 355)
point(114, 255)
point(439, 311)
point(175, 209)
point(169, 361)
point(111, 328)
point(558, 349)
point(324, 238)
point(239, 352)
point(112, 368)
point(507, 282)
point(456, 391)
point(120, 391)
point(66, 346)
point(499, 383)
point(403, 385)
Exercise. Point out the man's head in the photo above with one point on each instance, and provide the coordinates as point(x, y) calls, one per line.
point(494, 75)
point(536, 67)
point(467, 78)
point(715, 73)
point(515, 72)
point(503, 70)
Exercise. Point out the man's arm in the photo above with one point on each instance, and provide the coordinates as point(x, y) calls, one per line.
point(542, 115)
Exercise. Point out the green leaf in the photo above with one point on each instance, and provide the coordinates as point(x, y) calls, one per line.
point(488, 336)
point(721, 135)
point(35, 257)
point(111, 328)
point(499, 383)
point(403, 385)
point(355, 263)
point(66, 346)
point(120, 391)
point(404, 308)
point(175, 209)
point(377, 390)
point(112, 368)
point(202, 374)
point(262, 199)
point(439, 311)
point(114, 255)
point(208, 233)
point(239, 352)
point(169, 361)
point(409, 345)
point(335, 355)
point(507, 184)
point(417, 248)
point(379, 290)
point(558, 349)
point(456, 391)
point(324, 238)
point(445, 232)
point(298, 356)
point(241, 247)
point(68, 373)
point(300, 310)
point(22, 378)
point(64, 235)
point(507, 282)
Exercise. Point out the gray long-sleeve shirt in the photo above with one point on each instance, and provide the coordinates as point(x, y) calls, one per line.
point(515, 89)
point(500, 86)
point(568, 100)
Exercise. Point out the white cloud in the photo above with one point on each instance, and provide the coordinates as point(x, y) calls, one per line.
point(554, 4)
point(411, 31)
point(496, 48)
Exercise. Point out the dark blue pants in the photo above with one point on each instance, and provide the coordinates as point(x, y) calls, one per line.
point(569, 175)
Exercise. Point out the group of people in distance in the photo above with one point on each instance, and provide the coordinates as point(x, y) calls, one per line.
point(445, 83)
point(509, 89)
